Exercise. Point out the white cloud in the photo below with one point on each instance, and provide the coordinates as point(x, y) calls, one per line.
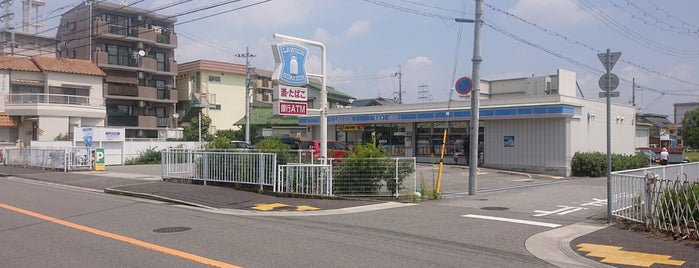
point(554, 12)
point(357, 28)
point(420, 60)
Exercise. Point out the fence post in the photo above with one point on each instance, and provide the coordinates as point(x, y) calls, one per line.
point(396, 179)
point(261, 170)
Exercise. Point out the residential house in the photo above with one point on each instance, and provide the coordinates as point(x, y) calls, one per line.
point(45, 97)
point(662, 132)
point(136, 49)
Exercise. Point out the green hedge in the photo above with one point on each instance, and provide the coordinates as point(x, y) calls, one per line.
point(595, 164)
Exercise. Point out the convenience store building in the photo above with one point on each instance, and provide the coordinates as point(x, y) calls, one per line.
point(531, 124)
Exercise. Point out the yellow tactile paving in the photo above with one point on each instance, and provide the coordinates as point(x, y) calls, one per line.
point(612, 254)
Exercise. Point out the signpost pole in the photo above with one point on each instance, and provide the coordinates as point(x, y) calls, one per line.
point(609, 82)
point(609, 138)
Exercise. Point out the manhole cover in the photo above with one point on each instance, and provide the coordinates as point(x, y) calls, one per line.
point(172, 229)
point(494, 208)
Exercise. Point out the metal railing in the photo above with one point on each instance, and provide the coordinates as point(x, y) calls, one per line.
point(663, 197)
point(65, 159)
point(294, 172)
point(256, 168)
point(305, 179)
point(375, 177)
point(44, 98)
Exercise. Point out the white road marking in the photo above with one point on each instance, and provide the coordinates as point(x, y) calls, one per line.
point(536, 223)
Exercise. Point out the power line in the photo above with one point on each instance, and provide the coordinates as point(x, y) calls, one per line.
point(632, 35)
point(575, 42)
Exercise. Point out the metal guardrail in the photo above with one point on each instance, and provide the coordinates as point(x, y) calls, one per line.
point(663, 197)
point(65, 159)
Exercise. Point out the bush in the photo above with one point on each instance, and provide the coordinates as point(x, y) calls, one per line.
point(149, 156)
point(366, 170)
point(595, 164)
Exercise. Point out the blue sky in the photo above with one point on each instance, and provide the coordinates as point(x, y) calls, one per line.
point(367, 41)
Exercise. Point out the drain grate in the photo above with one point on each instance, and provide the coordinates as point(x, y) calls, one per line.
point(172, 229)
point(494, 208)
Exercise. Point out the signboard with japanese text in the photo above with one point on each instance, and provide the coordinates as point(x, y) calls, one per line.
point(291, 93)
point(290, 66)
point(290, 108)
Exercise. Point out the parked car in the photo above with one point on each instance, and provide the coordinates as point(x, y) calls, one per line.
point(336, 149)
point(291, 141)
point(650, 155)
point(240, 145)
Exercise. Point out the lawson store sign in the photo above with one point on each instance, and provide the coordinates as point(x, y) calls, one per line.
point(513, 112)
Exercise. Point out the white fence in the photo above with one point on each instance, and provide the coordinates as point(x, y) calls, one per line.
point(117, 153)
point(65, 159)
point(255, 168)
point(293, 172)
point(662, 197)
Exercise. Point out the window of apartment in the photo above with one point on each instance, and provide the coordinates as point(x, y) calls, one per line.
point(159, 60)
point(9, 134)
point(69, 95)
point(214, 78)
point(197, 82)
point(26, 89)
point(120, 109)
point(160, 112)
point(71, 54)
point(118, 55)
point(118, 24)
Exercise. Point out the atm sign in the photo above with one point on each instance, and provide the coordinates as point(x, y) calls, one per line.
point(291, 108)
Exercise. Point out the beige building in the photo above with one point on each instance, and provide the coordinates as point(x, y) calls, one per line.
point(135, 48)
point(43, 98)
point(216, 89)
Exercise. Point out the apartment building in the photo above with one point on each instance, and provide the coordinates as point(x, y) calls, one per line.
point(212, 88)
point(44, 98)
point(135, 48)
point(15, 43)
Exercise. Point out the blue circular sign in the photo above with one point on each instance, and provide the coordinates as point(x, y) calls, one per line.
point(464, 85)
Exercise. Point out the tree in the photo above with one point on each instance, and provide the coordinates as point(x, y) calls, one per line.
point(191, 132)
point(690, 129)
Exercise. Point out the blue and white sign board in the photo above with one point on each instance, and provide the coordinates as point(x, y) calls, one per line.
point(92, 135)
point(290, 66)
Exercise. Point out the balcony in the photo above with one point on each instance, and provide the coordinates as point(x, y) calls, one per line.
point(140, 92)
point(141, 121)
point(42, 98)
point(163, 121)
point(157, 37)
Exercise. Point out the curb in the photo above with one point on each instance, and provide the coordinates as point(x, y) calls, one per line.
point(154, 197)
point(554, 246)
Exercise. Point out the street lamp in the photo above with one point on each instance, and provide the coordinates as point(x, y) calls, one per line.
point(475, 95)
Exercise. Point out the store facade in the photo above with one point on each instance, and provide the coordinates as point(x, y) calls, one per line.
point(531, 124)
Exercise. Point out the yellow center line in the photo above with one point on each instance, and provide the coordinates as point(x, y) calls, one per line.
point(154, 247)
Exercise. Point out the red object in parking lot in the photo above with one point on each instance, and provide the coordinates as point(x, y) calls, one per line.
point(336, 149)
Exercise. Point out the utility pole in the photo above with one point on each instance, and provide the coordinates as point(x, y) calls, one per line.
point(400, 90)
point(247, 57)
point(633, 92)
